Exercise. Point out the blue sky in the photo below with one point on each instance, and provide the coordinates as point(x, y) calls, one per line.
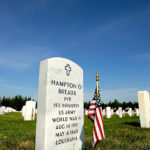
point(110, 36)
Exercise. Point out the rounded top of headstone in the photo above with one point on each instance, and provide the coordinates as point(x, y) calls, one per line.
point(142, 91)
point(57, 59)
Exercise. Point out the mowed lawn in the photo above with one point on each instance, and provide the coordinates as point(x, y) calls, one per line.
point(120, 133)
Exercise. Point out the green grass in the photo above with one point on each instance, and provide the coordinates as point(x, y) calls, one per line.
point(120, 133)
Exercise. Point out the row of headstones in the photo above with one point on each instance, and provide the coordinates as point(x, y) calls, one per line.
point(143, 111)
point(4, 110)
point(108, 112)
point(28, 110)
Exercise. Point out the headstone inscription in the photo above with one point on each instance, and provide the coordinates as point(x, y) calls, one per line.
point(60, 106)
point(144, 108)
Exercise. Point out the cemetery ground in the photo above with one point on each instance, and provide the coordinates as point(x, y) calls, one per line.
point(121, 133)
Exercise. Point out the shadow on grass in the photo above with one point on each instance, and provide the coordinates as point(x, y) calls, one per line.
point(135, 124)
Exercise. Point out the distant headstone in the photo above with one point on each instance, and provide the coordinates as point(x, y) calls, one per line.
point(108, 112)
point(29, 110)
point(3, 107)
point(120, 112)
point(144, 108)
point(60, 116)
point(117, 112)
point(9, 109)
point(2, 112)
point(104, 112)
point(86, 112)
point(112, 112)
point(23, 110)
point(137, 112)
point(130, 112)
point(123, 112)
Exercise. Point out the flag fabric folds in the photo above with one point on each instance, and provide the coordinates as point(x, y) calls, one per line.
point(98, 131)
point(95, 114)
point(92, 109)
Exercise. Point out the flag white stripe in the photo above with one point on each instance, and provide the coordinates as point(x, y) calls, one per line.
point(92, 112)
point(92, 106)
point(97, 130)
point(94, 138)
point(100, 121)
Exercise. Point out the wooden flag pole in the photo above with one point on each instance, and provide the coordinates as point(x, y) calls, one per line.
point(97, 88)
point(97, 79)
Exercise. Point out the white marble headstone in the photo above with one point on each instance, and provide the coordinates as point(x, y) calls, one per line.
point(112, 112)
point(120, 112)
point(2, 111)
point(3, 107)
point(123, 112)
point(23, 110)
point(144, 108)
point(30, 110)
point(104, 112)
point(108, 112)
point(117, 112)
point(137, 112)
point(86, 112)
point(130, 112)
point(60, 116)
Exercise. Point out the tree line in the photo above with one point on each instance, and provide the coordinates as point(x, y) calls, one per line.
point(15, 102)
point(115, 104)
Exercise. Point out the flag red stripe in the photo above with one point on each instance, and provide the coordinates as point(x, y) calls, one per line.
point(93, 104)
point(99, 126)
point(95, 133)
point(91, 109)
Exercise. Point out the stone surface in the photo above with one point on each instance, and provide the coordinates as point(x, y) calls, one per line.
point(2, 112)
point(23, 110)
point(104, 112)
point(29, 110)
point(120, 112)
point(86, 112)
point(60, 121)
point(130, 112)
point(144, 108)
point(112, 112)
point(117, 112)
point(137, 112)
point(9, 109)
point(108, 112)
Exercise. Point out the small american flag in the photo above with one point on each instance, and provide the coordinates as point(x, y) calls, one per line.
point(95, 114)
